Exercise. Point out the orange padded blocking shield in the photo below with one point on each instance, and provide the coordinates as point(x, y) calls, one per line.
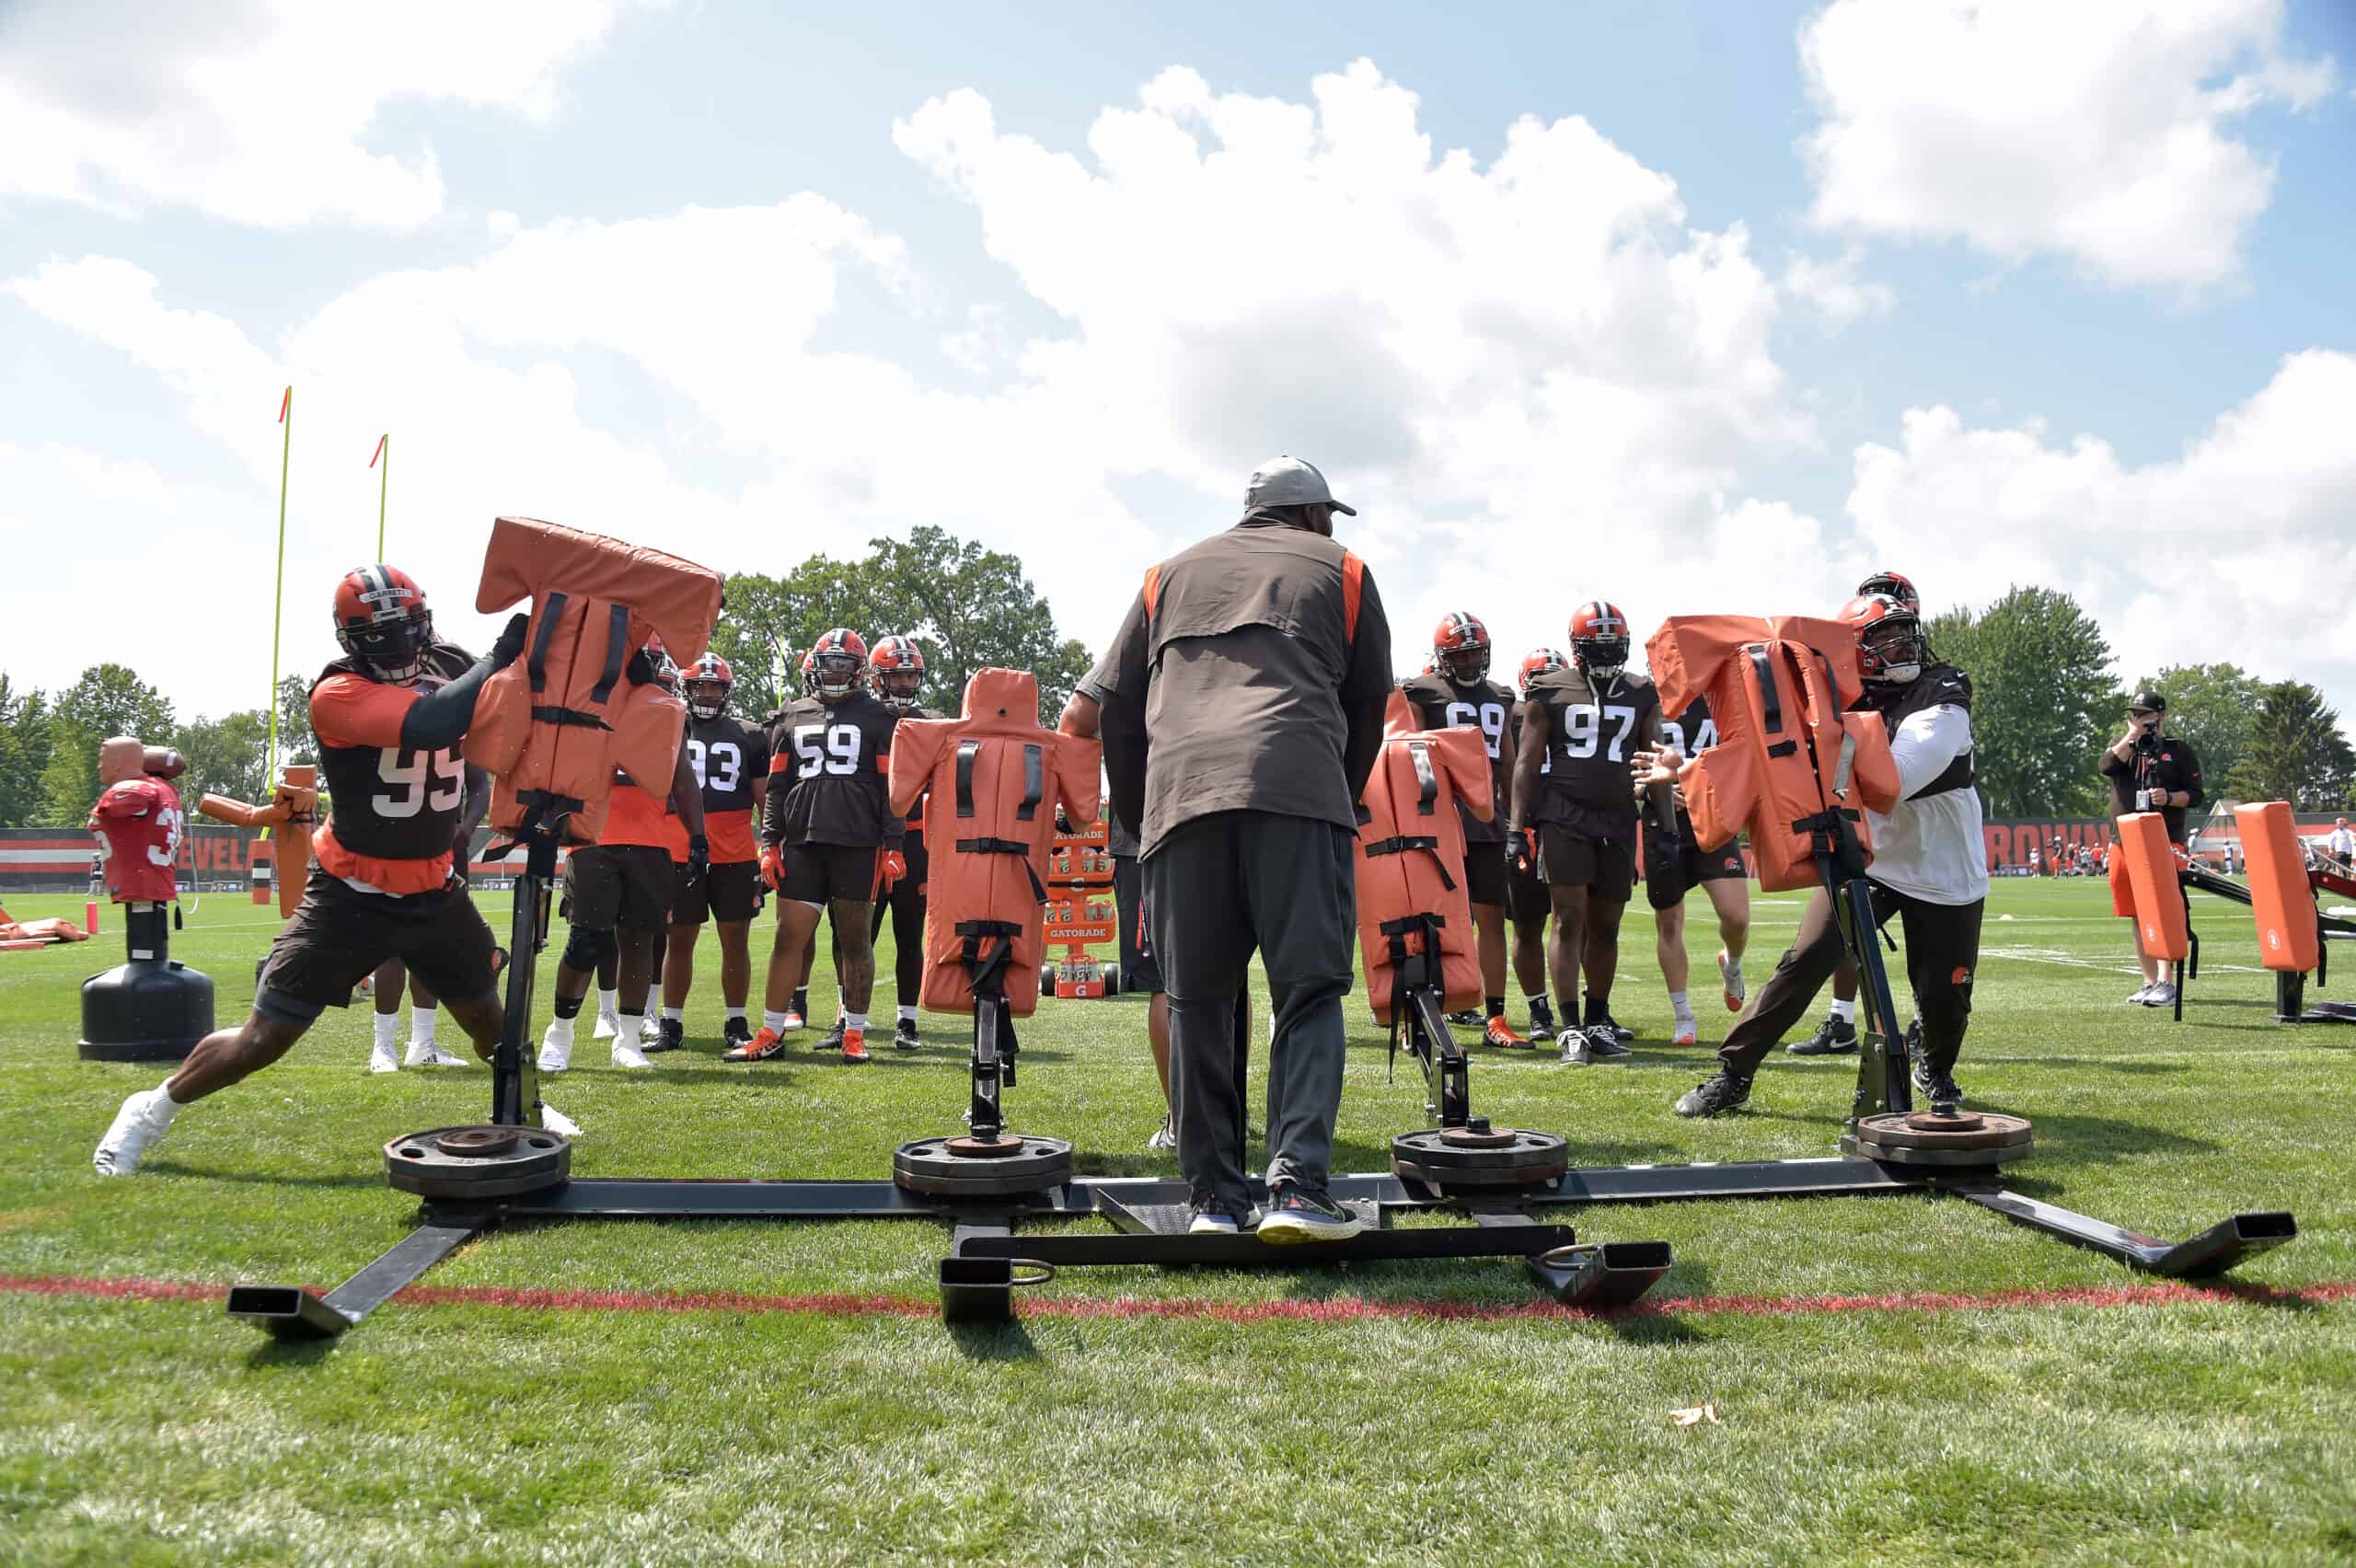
point(552, 727)
point(294, 811)
point(1778, 690)
point(2159, 896)
point(1411, 855)
point(997, 777)
point(2280, 895)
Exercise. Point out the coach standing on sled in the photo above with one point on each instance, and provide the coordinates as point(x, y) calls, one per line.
point(1243, 703)
point(1927, 868)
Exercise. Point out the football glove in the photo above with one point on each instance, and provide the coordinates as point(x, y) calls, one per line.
point(510, 646)
point(698, 858)
point(1521, 850)
point(773, 865)
point(891, 869)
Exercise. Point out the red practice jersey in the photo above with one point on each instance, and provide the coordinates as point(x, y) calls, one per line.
point(140, 825)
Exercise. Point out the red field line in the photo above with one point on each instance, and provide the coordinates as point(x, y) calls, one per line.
point(1341, 1310)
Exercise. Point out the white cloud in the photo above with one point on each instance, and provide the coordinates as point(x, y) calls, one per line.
point(2098, 130)
point(1833, 289)
point(2239, 549)
point(260, 111)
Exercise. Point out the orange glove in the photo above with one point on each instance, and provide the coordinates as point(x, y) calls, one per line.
point(773, 865)
point(891, 869)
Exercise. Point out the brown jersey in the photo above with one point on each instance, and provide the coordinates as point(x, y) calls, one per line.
point(1443, 704)
point(1592, 739)
point(1693, 733)
point(828, 772)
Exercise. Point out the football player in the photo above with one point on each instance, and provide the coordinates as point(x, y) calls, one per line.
point(1929, 870)
point(830, 842)
point(1526, 901)
point(1675, 865)
point(392, 976)
point(619, 892)
point(1575, 819)
point(731, 762)
point(896, 670)
point(382, 884)
point(1459, 693)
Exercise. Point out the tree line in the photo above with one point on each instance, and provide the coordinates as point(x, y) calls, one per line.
point(967, 607)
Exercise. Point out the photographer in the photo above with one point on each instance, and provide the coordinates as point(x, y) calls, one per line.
point(2150, 770)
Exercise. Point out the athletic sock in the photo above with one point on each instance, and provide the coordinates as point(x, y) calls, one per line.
point(388, 1027)
point(907, 1013)
point(422, 1022)
point(163, 1107)
point(1596, 1008)
point(628, 1027)
point(1540, 1001)
point(1682, 1007)
point(1496, 1006)
point(773, 1021)
point(802, 1000)
point(855, 1020)
point(609, 1003)
point(673, 1015)
point(561, 1028)
point(1845, 1011)
point(733, 1013)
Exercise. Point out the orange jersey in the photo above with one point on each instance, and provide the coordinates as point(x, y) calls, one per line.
point(634, 816)
point(393, 812)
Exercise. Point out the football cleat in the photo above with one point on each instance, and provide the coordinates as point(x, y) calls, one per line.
point(382, 1059)
point(766, 1046)
point(1837, 1038)
point(1579, 1050)
point(1603, 1039)
point(429, 1054)
point(854, 1045)
point(556, 1046)
point(1717, 1096)
point(1166, 1138)
point(1689, 1033)
point(608, 1024)
point(1465, 1018)
point(1542, 1018)
point(627, 1055)
point(1504, 1035)
point(670, 1034)
point(793, 1021)
point(734, 1032)
point(904, 1035)
point(832, 1040)
point(135, 1127)
point(1730, 976)
point(1939, 1090)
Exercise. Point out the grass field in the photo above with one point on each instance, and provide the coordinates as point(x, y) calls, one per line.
point(1897, 1379)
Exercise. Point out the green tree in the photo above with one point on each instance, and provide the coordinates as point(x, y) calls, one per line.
point(2296, 752)
point(69, 779)
point(110, 699)
point(965, 606)
point(295, 740)
point(2213, 707)
point(2043, 700)
point(24, 753)
point(226, 756)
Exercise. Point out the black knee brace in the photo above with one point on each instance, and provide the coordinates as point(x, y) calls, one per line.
point(583, 950)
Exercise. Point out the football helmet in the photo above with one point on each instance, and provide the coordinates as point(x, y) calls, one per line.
point(832, 668)
point(1895, 585)
point(1889, 638)
point(1599, 640)
point(707, 686)
point(382, 623)
point(1538, 662)
point(898, 669)
point(1461, 647)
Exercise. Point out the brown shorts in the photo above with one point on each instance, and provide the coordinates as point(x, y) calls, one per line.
point(1605, 867)
point(824, 873)
point(340, 935)
point(1485, 873)
point(1526, 897)
point(730, 892)
point(607, 885)
point(1670, 877)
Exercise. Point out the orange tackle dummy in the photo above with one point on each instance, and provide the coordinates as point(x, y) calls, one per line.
point(2280, 893)
point(15, 935)
point(997, 777)
point(292, 812)
point(552, 728)
point(1779, 688)
point(1410, 859)
point(2152, 866)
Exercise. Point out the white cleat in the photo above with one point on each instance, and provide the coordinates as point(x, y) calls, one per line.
point(1730, 978)
point(2142, 994)
point(137, 1126)
point(628, 1056)
point(429, 1054)
point(381, 1058)
point(556, 1049)
point(556, 1121)
point(608, 1025)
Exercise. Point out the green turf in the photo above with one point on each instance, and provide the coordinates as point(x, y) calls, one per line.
point(2212, 1431)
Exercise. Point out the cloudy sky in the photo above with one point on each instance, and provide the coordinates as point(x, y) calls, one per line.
point(1694, 305)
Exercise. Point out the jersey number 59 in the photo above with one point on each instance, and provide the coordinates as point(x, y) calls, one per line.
point(825, 748)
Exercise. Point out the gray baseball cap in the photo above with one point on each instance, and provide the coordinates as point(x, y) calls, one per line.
point(1289, 481)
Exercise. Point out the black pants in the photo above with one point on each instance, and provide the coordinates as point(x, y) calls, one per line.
point(1216, 890)
point(1942, 951)
point(904, 905)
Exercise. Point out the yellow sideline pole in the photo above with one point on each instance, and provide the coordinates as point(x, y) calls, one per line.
point(278, 595)
point(384, 450)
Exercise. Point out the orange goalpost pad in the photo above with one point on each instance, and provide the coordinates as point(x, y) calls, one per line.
point(2152, 873)
point(997, 776)
point(1779, 689)
point(1410, 853)
point(552, 728)
point(2280, 895)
